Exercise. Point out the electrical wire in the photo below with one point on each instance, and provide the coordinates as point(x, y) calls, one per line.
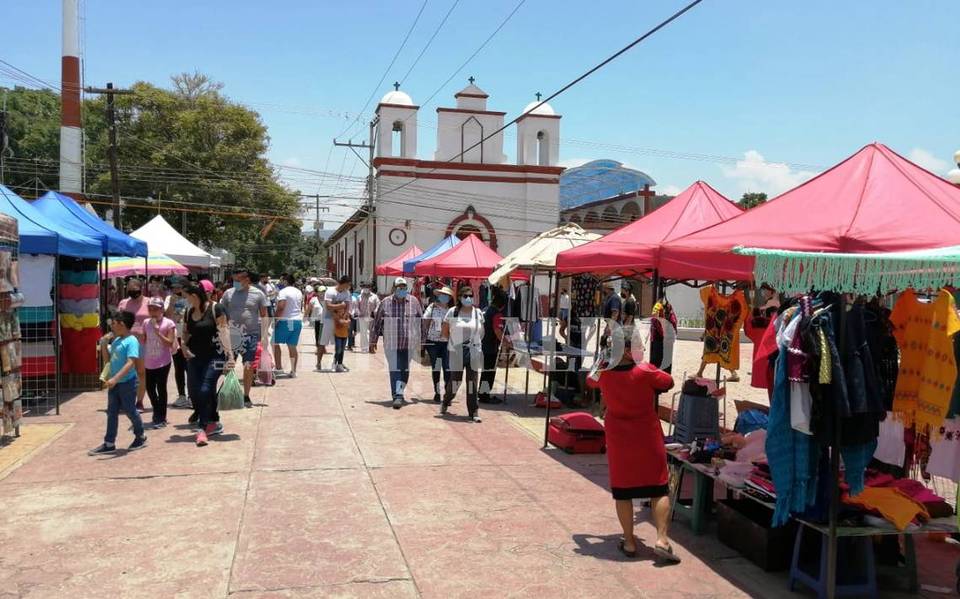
point(430, 41)
point(376, 88)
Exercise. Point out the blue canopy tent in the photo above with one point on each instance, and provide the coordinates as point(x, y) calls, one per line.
point(64, 210)
point(444, 245)
point(40, 234)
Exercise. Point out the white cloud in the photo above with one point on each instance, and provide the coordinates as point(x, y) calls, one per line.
point(755, 174)
point(927, 160)
point(669, 190)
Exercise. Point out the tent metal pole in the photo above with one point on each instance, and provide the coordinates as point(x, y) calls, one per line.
point(56, 339)
point(835, 465)
point(531, 287)
point(554, 287)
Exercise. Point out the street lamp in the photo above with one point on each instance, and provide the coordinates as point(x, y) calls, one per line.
point(954, 175)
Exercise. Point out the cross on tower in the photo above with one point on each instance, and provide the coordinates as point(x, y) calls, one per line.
point(396, 85)
point(538, 94)
point(471, 79)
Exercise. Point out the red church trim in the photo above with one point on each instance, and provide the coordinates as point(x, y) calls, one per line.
point(471, 214)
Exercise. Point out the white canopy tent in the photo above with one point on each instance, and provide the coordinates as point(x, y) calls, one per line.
point(161, 238)
point(540, 253)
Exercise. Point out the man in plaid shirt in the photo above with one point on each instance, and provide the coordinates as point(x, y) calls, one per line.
point(398, 322)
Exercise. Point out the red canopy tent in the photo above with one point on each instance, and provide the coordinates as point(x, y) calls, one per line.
point(874, 201)
point(394, 268)
point(635, 248)
point(470, 259)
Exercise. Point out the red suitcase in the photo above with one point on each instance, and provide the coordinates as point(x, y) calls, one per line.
point(577, 432)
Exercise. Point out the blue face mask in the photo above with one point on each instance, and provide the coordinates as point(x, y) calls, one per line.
point(400, 293)
point(443, 299)
point(237, 285)
point(467, 301)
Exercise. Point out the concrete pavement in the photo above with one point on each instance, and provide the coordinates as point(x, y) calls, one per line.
point(323, 490)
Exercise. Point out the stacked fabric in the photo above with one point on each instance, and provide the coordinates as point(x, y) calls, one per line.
point(79, 315)
point(37, 317)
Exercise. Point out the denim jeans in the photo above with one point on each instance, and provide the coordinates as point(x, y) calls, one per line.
point(439, 361)
point(398, 360)
point(202, 377)
point(339, 346)
point(123, 396)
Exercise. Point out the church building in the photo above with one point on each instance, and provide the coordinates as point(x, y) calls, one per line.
point(467, 187)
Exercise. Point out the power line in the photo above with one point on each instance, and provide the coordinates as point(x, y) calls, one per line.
point(386, 71)
point(430, 41)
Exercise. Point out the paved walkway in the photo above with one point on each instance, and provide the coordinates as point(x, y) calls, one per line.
point(323, 490)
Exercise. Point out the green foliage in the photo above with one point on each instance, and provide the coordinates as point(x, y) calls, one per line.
point(752, 200)
point(191, 154)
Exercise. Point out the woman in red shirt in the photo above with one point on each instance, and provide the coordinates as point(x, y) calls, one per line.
point(636, 454)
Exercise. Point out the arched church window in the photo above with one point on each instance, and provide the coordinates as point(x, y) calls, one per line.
point(397, 141)
point(543, 149)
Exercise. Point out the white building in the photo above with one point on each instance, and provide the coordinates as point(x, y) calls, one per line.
point(467, 187)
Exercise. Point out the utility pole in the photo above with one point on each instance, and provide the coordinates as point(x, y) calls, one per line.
point(316, 223)
point(4, 139)
point(110, 91)
point(370, 207)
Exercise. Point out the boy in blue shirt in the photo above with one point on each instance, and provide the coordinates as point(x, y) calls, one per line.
point(123, 353)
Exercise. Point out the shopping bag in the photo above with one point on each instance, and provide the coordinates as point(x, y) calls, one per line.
point(105, 373)
point(265, 367)
point(230, 395)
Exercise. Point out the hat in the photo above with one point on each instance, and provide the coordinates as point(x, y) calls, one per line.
point(207, 285)
point(321, 289)
point(399, 281)
point(309, 288)
point(155, 302)
point(445, 290)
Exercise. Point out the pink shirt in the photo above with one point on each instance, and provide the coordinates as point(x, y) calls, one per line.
point(158, 354)
point(140, 311)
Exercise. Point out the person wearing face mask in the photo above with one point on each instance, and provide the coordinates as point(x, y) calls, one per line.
point(136, 304)
point(367, 305)
point(398, 322)
point(336, 302)
point(463, 327)
point(246, 308)
point(436, 344)
point(176, 308)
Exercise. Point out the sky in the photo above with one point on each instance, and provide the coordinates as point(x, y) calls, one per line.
point(748, 95)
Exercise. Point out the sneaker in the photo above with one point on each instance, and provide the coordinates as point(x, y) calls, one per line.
point(247, 403)
point(397, 402)
point(318, 368)
point(436, 398)
point(489, 399)
point(155, 425)
point(140, 408)
point(278, 372)
point(476, 419)
point(293, 374)
point(444, 407)
point(201, 439)
point(213, 429)
point(339, 368)
point(138, 443)
point(182, 402)
point(103, 449)
point(193, 418)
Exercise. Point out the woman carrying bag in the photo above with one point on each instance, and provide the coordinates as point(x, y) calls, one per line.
point(206, 338)
point(433, 318)
point(463, 327)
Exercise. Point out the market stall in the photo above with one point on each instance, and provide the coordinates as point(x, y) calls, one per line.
point(82, 290)
point(394, 268)
point(164, 239)
point(11, 404)
point(42, 243)
point(410, 264)
point(154, 264)
point(470, 259)
point(875, 201)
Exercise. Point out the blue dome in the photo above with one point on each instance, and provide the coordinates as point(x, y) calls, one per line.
point(599, 180)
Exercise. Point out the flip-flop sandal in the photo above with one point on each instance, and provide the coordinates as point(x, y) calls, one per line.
point(666, 554)
point(623, 550)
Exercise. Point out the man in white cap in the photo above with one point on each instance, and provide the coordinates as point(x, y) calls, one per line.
point(398, 322)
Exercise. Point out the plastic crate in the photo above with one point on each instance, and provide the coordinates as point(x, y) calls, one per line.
point(697, 417)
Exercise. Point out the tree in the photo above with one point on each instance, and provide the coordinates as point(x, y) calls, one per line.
point(752, 200)
point(187, 153)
